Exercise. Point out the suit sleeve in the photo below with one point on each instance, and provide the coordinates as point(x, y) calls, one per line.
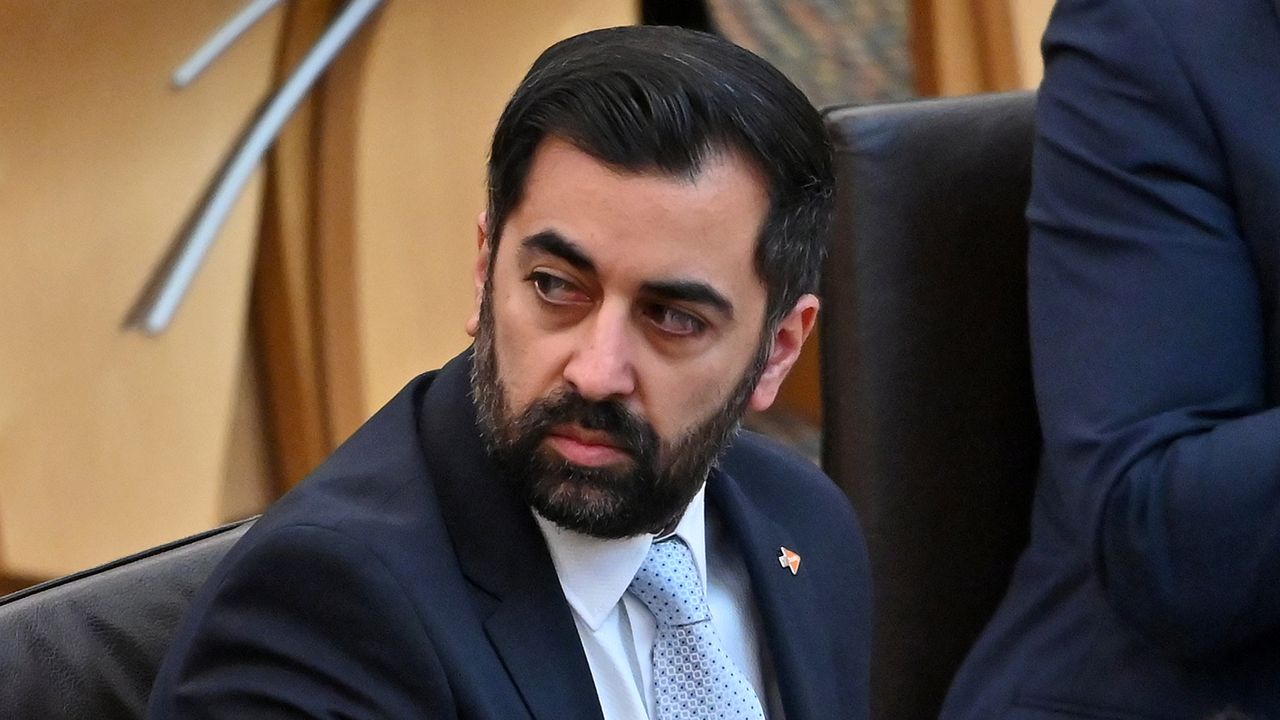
point(1162, 452)
point(306, 623)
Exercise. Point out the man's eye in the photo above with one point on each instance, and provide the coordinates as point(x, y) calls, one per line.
point(675, 322)
point(556, 289)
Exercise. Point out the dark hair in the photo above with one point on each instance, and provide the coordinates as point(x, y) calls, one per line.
point(662, 99)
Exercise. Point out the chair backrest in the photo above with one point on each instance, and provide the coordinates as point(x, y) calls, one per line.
point(929, 419)
point(88, 645)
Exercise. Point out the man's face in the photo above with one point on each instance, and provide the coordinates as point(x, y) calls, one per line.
point(620, 336)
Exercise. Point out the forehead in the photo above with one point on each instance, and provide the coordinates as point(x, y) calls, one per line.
point(647, 226)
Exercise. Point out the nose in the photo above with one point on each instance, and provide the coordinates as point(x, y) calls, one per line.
point(601, 366)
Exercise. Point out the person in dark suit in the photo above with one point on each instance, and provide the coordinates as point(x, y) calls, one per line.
point(1151, 584)
point(542, 528)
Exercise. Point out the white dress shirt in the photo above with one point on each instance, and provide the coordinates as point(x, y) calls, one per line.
point(617, 630)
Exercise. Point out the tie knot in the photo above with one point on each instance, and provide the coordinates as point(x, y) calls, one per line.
point(668, 584)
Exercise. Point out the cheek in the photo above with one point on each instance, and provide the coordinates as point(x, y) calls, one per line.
point(682, 398)
point(705, 387)
point(527, 361)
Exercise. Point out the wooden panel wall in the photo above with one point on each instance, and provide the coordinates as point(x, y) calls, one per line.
point(1030, 17)
point(971, 46)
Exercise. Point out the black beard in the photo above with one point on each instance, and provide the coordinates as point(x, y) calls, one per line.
point(645, 494)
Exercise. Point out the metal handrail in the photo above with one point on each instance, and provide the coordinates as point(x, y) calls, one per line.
point(220, 41)
point(168, 286)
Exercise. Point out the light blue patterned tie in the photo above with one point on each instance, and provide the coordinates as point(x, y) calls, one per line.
point(693, 677)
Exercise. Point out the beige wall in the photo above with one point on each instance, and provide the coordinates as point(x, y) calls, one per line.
point(1029, 20)
point(110, 441)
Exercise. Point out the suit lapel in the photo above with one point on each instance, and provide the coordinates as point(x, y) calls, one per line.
point(502, 552)
point(535, 636)
point(786, 602)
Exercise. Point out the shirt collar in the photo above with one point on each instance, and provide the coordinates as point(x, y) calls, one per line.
point(594, 573)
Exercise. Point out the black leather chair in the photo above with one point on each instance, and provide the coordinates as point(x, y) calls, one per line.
point(87, 646)
point(929, 419)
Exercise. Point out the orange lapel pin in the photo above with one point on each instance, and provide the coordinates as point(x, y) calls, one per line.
point(789, 559)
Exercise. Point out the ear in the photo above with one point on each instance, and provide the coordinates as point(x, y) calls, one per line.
point(480, 272)
point(787, 340)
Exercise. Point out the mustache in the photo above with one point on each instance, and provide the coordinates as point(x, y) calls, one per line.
point(628, 431)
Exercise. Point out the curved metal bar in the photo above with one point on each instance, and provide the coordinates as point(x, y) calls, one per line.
point(169, 285)
point(220, 41)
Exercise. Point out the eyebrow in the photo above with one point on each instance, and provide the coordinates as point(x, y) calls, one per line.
point(692, 291)
point(553, 243)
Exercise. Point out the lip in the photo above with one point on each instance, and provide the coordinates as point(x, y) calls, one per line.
point(591, 448)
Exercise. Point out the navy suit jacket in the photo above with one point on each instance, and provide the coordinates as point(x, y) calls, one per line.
point(404, 579)
point(1151, 585)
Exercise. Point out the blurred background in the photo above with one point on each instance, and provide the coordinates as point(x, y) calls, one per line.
point(343, 268)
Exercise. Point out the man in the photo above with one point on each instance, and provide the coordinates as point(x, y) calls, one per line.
point(1151, 586)
point(537, 529)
